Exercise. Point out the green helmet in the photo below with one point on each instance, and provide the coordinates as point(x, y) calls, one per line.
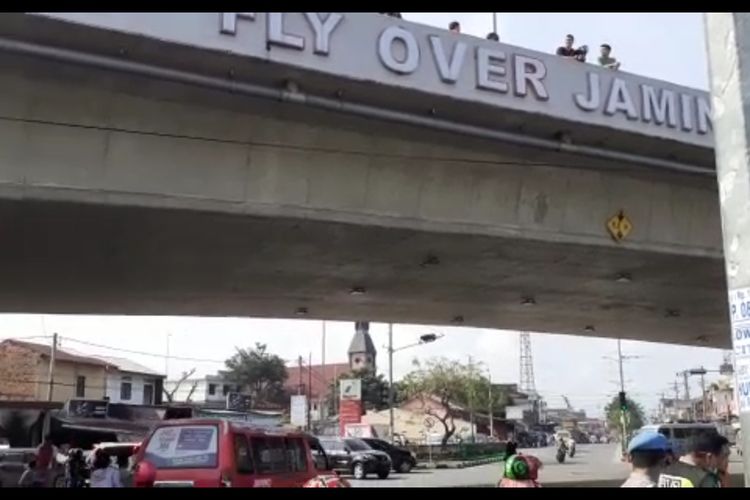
point(516, 467)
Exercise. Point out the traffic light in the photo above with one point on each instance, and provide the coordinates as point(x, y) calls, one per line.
point(623, 401)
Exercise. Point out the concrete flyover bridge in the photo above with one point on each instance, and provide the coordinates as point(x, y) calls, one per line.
point(349, 166)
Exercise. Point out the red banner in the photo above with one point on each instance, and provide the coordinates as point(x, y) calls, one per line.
point(350, 412)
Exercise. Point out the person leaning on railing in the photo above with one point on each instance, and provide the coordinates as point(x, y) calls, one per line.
point(605, 59)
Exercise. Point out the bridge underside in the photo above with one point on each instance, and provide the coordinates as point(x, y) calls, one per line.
point(94, 259)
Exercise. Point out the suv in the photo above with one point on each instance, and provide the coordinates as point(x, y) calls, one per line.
point(356, 457)
point(222, 453)
point(402, 459)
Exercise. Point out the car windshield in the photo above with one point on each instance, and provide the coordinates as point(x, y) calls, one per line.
point(357, 445)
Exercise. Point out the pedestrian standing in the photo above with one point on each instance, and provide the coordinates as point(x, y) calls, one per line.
point(46, 455)
point(104, 474)
point(697, 468)
point(605, 58)
point(29, 477)
point(493, 36)
point(647, 453)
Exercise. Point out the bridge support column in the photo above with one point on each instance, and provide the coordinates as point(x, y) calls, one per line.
point(728, 43)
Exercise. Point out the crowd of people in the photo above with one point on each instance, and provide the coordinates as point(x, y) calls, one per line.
point(96, 471)
point(704, 462)
point(579, 53)
point(566, 50)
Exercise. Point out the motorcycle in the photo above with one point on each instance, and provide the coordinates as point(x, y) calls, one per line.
point(561, 452)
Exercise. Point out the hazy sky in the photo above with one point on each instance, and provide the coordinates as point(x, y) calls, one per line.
point(664, 46)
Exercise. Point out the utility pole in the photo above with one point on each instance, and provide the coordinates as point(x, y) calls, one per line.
point(309, 391)
point(494, 23)
point(299, 385)
point(321, 402)
point(623, 398)
point(686, 381)
point(50, 382)
point(619, 362)
point(703, 394)
point(51, 377)
point(471, 399)
point(166, 358)
point(489, 394)
point(391, 419)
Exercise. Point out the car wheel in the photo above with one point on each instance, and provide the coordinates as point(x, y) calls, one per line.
point(383, 474)
point(404, 467)
point(359, 471)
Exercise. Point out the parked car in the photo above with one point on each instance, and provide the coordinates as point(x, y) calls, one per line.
point(402, 459)
point(223, 453)
point(356, 457)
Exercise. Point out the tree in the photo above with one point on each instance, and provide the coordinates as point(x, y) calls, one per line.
point(261, 373)
point(446, 384)
point(634, 420)
point(185, 375)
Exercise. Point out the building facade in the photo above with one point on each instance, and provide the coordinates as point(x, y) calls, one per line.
point(209, 390)
point(132, 383)
point(24, 373)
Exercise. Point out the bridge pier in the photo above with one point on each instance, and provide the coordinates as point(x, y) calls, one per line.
point(728, 43)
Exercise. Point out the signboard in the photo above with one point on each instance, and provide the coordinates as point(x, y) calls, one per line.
point(88, 408)
point(350, 412)
point(514, 412)
point(298, 412)
point(739, 313)
point(390, 53)
point(351, 389)
point(358, 431)
point(238, 402)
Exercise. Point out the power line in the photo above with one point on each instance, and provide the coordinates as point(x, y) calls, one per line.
point(120, 349)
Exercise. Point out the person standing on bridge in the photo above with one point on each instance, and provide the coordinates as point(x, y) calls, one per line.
point(569, 52)
point(647, 453)
point(606, 60)
point(697, 468)
point(455, 27)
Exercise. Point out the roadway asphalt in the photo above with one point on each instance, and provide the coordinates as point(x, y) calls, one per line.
point(598, 462)
point(593, 465)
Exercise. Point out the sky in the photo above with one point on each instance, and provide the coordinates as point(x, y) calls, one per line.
point(663, 46)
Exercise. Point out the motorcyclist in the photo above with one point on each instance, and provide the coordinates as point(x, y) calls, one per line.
point(521, 471)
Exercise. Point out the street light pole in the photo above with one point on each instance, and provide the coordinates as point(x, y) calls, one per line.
point(424, 339)
point(391, 425)
point(489, 394)
point(494, 23)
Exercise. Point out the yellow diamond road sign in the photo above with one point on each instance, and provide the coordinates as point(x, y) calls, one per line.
point(619, 226)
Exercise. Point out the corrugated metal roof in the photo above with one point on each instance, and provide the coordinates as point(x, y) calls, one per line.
point(125, 365)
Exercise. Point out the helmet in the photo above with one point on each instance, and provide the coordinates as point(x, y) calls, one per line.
point(516, 467)
point(522, 467)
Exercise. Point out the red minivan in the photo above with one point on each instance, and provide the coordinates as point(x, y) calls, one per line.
point(223, 453)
